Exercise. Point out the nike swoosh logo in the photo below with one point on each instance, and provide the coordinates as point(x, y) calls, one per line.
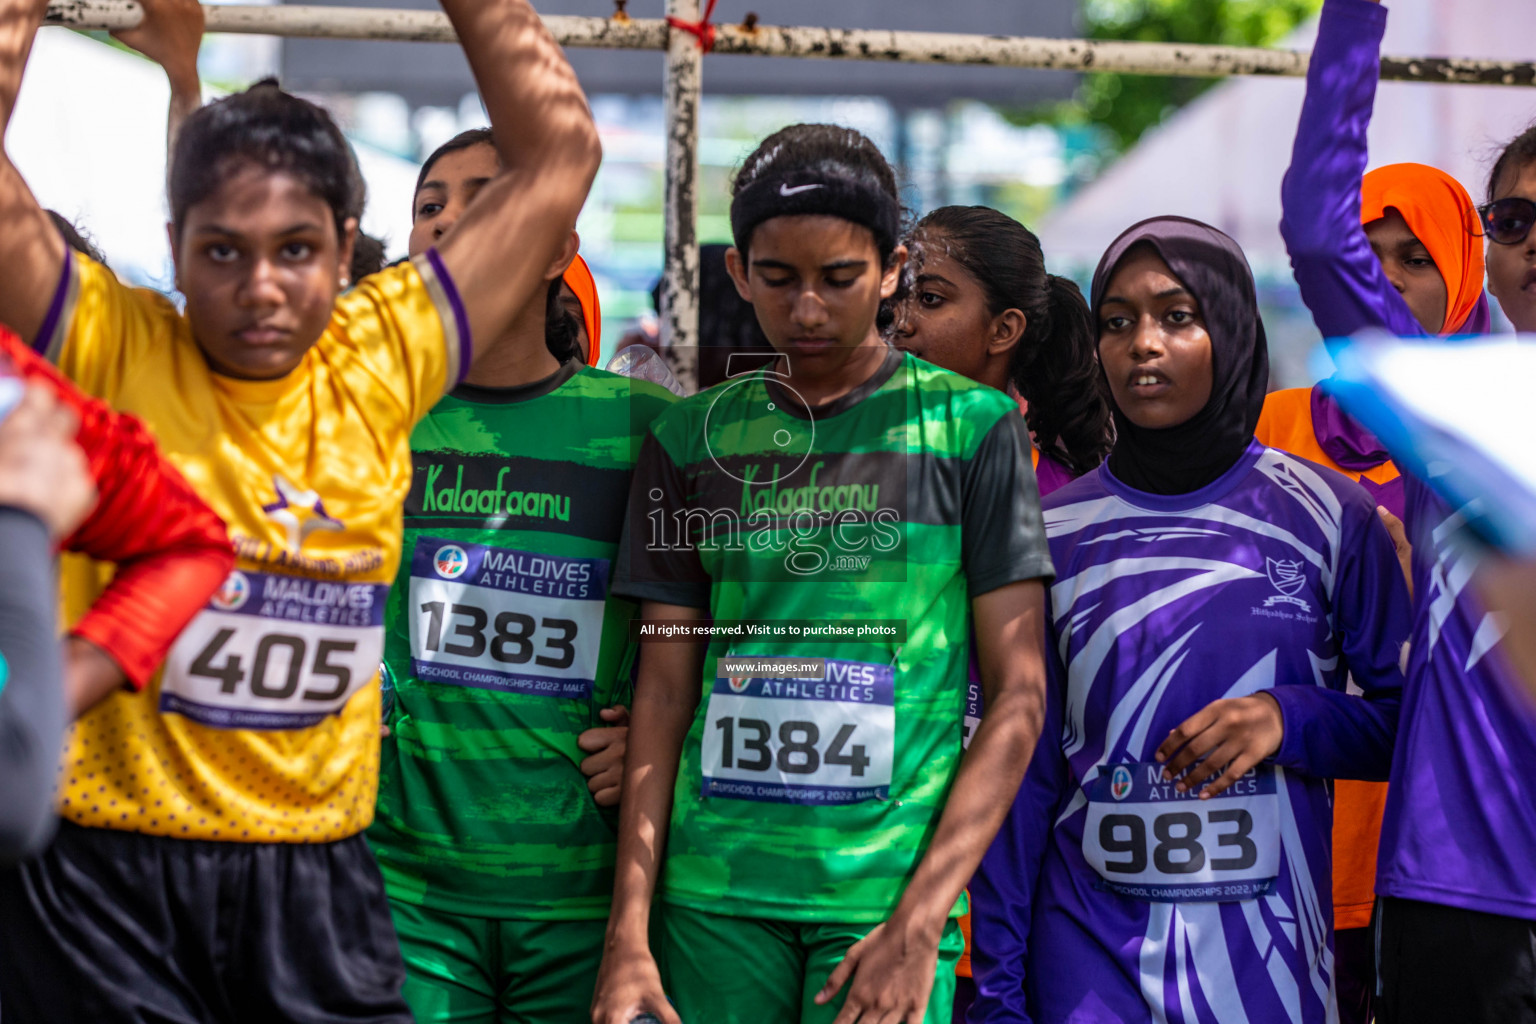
point(785, 190)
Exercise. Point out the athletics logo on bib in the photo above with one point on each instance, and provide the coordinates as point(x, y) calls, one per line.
point(1120, 784)
point(499, 619)
point(802, 741)
point(1150, 842)
point(451, 561)
point(233, 594)
point(275, 652)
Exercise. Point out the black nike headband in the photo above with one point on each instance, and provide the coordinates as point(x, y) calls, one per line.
point(803, 192)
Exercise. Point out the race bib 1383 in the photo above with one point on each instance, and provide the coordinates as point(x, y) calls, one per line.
point(499, 619)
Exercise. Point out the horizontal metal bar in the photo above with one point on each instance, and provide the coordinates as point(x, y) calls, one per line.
point(840, 44)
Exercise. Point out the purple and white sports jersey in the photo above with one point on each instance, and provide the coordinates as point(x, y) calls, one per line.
point(1126, 901)
point(1460, 826)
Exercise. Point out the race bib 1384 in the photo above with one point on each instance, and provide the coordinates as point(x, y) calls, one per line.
point(802, 741)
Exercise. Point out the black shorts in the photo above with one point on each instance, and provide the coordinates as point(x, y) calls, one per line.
point(1439, 964)
point(109, 926)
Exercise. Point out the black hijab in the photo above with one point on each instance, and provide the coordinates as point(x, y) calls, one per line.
point(1187, 457)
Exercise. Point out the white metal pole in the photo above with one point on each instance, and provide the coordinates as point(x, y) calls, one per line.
point(680, 276)
point(840, 44)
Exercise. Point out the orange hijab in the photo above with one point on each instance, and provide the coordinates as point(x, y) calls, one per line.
point(1441, 215)
point(578, 276)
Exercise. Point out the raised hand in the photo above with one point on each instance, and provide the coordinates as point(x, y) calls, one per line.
point(170, 35)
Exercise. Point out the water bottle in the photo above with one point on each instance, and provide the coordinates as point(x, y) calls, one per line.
point(642, 362)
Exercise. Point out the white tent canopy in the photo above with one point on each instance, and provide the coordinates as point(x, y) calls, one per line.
point(88, 135)
point(1221, 159)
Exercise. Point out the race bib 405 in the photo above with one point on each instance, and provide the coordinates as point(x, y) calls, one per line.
point(275, 652)
point(1149, 841)
point(498, 619)
point(802, 741)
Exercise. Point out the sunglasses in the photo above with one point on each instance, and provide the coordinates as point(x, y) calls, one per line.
point(1508, 221)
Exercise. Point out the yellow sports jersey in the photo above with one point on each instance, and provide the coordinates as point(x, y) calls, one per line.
point(263, 725)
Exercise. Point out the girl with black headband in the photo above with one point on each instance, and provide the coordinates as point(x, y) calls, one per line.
point(811, 827)
point(1167, 858)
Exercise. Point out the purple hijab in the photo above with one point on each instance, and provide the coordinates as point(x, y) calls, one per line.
point(1184, 458)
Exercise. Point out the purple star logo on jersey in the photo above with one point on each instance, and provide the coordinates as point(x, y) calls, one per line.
point(299, 512)
point(1286, 576)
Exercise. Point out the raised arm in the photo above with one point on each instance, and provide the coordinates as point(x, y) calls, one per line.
point(31, 249)
point(498, 252)
point(1340, 277)
point(171, 35)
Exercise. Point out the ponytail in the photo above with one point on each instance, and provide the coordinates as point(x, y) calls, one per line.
point(1055, 367)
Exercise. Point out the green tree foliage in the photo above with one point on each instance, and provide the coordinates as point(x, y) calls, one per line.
point(1124, 106)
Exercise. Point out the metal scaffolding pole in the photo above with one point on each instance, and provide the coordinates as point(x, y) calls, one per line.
point(682, 87)
point(840, 44)
point(680, 238)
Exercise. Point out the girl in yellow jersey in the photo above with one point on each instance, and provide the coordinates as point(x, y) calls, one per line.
point(210, 865)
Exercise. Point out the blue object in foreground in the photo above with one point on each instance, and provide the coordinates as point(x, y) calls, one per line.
point(1458, 416)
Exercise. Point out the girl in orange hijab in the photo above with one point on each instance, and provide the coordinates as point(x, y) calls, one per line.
point(1410, 212)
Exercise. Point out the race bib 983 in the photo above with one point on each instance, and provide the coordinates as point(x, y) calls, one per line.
point(1148, 841)
point(802, 741)
point(275, 652)
point(499, 619)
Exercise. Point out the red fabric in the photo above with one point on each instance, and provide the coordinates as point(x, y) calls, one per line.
point(172, 551)
point(701, 29)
